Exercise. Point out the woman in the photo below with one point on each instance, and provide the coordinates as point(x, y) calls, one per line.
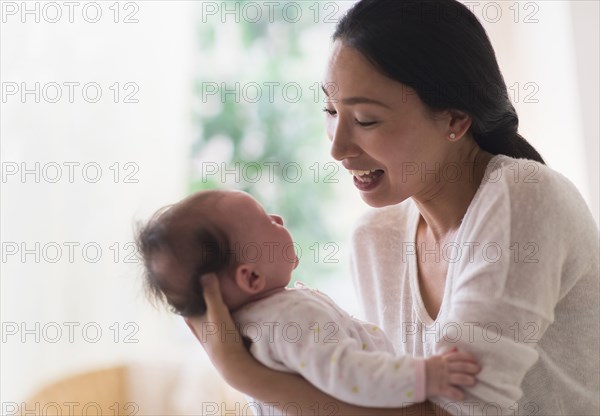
point(477, 243)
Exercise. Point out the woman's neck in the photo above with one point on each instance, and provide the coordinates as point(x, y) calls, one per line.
point(443, 205)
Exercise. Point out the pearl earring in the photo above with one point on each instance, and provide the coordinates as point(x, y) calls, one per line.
point(452, 136)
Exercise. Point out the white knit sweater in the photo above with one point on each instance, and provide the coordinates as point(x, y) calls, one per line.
point(521, 293)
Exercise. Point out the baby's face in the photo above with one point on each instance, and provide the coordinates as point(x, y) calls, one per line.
point(257, 237)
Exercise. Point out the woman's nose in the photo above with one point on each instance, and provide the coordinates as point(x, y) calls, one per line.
point(277, 219)
point(342, 145)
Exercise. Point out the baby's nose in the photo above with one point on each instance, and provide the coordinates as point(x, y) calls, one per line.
point(277, 219)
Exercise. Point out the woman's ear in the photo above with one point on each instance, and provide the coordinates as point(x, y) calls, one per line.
point(460, 122)
point(248, 281)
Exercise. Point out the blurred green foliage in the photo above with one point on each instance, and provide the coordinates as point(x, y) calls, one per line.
point(250, 130)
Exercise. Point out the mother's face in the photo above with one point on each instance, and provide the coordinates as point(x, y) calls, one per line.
point(379, 125)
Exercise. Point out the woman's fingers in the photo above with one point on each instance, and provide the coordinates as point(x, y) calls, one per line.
point(211, 291)
point(197, 324)
point(216, 314)
point(191, 323)
point(216, 329)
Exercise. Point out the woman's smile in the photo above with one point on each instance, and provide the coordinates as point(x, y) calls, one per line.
point(367, 180)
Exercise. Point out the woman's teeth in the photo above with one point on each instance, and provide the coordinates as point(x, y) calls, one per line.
point(365, 175)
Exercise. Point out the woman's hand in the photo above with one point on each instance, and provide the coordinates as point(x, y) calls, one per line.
point(218, 333)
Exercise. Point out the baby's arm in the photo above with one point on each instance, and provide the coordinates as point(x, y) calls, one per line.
point(277, 388)
point(336, 363)
point(445, 373)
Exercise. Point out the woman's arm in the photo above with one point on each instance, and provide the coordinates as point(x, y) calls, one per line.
point(221, 340)
point(521, 311)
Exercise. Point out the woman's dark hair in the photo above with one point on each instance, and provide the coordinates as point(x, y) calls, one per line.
point(439, 49)
point(178, 246)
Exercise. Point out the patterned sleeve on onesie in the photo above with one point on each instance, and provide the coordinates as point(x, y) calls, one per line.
point(334, 352)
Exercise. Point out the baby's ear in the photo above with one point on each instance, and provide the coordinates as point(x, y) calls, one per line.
point(248, 281)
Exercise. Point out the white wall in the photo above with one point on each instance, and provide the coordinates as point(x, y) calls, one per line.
point(586, 42)
point(548, 52)
point(154, 135)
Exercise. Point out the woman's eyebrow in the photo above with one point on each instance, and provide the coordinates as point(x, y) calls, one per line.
point(357, 100)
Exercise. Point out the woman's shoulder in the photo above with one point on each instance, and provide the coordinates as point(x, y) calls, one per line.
point(530, 185)
point(531, 198)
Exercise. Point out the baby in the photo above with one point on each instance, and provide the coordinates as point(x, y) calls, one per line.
point(297, 330)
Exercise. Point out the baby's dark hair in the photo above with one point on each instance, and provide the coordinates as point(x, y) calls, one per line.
point(178, 245)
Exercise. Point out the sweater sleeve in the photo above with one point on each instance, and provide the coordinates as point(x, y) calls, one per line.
point(314, 342)
point(507, 284)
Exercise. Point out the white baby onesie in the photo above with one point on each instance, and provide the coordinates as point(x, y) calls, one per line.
point(303, 331)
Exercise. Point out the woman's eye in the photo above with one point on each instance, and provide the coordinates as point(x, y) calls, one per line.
point(365, 123)
point(360, 123)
